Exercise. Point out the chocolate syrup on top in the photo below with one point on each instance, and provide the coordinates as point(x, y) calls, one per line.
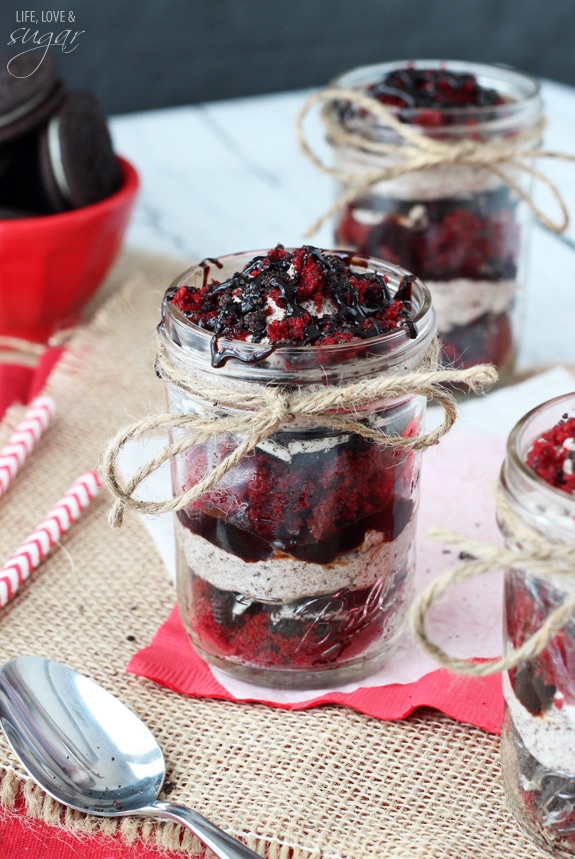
point(206, 265)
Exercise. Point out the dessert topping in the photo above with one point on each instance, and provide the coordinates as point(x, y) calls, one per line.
point(434, 88)
point(302, 297)
point(432, 92)
point(552, 455)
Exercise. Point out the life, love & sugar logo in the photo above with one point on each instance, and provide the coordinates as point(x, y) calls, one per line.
point(40, 41)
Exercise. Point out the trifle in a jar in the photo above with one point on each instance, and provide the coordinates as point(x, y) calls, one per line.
point(538, 737)
point(295, 569)
point(459, 224)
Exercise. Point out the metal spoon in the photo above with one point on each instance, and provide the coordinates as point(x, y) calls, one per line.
point(89, 751)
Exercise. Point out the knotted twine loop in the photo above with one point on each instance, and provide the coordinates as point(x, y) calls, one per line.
point(540, 558)
point(416, 151)
point(262, 410)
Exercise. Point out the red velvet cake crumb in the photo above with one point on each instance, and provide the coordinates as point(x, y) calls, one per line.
point(327, 628)
point(552, 455)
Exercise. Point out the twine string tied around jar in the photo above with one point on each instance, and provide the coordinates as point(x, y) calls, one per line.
point(539, 557)
point(263, 409)
point(416, 151)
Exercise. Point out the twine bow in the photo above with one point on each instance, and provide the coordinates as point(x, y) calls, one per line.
point(540, 557)
point(262, 410)
point(416, 151)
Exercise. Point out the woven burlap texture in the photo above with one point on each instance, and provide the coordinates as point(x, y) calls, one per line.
point(327, 783)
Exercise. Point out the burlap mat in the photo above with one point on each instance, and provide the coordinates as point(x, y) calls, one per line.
point(327, 783)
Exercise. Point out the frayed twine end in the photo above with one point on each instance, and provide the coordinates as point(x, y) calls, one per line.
point(116, 514)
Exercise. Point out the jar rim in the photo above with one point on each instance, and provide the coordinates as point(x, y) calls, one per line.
point(524, 94)
point(180, 331)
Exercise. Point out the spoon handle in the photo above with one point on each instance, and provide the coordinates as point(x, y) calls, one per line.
point(222, 844)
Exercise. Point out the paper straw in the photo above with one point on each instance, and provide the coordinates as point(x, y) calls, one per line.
point(42, 540)
point(24, 439)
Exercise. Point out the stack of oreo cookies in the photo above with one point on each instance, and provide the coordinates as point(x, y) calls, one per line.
point(56, 153)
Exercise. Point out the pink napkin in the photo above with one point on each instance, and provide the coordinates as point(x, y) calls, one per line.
point(457, 484)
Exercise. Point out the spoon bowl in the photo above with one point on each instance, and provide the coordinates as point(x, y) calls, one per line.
point(89, 751)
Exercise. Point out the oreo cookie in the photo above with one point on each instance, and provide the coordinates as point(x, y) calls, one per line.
point(77, 162)
point(29, 93)
point(21, 185)
point(56, 152)
point(15, 214)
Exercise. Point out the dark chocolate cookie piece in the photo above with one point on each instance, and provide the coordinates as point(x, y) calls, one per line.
point(77, 159)
point(30, 91)
point(15, 214)
point(21, 186)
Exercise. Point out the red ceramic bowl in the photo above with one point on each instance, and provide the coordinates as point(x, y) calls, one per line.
point(51, 265)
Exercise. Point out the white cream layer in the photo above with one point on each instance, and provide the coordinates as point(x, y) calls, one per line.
point(286, 579)
point(460, 301)
point(437, 183)
point(550, 737)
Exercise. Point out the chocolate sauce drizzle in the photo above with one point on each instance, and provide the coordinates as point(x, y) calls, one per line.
point(206, 265)
point(222, 354)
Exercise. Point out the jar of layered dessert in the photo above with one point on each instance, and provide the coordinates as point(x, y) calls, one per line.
point(295, 569)
point(458, 220)
point(537, 742)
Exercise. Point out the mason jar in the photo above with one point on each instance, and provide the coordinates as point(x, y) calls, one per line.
point(459, 227)
point(296, 569)
point(538, 736)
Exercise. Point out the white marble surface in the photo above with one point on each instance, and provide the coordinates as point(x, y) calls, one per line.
point(229, 176)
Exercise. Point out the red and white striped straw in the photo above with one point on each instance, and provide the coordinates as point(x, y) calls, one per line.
point(24, 439)
point(42, 540)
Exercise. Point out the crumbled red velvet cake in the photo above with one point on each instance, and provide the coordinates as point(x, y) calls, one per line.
point(552, 455)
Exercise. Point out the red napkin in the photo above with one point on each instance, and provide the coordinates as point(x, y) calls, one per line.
point(20, 384)
point(171, 661)
point(26, 838)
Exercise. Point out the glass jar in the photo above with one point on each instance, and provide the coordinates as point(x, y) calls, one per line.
point(458, 227)
point(537, 741)
point(296, 569)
